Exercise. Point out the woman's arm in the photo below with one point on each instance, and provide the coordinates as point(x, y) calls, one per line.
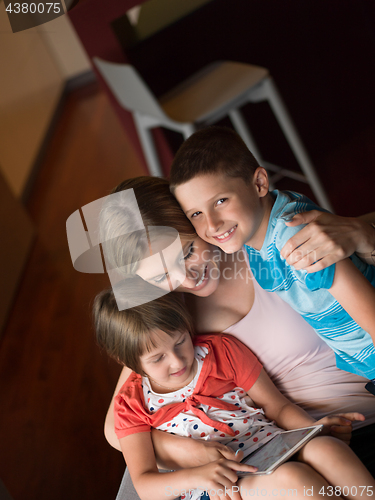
point(328, 239)
point(140, 459)
point(356, 295)
point(109, 424)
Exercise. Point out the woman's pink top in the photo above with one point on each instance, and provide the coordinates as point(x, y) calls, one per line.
point(301, 364)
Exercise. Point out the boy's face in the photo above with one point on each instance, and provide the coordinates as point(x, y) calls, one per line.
point(226, 211)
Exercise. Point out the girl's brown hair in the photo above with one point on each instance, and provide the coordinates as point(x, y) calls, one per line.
point(158, 207)
point(126, 335)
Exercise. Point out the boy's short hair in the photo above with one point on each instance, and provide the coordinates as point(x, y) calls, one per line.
point(209, 151)
point(125, 335)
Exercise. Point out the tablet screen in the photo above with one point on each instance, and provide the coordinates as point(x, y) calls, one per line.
point(280, 448)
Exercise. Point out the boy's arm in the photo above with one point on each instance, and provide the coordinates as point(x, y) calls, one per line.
point(149, 483)
point(356, 295)
point(327, 239)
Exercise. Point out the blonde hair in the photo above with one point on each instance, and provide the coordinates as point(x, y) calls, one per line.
point(158, 207)
point(126, 335)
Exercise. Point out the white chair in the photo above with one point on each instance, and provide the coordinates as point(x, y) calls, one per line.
point(219, 89)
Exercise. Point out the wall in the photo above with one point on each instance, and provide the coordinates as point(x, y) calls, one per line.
point(17, 234)
point(155, 15)
point(36, 64)
point(65, 47)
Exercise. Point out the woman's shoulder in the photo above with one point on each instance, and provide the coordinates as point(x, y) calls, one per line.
point(231, 301)
point(220, 341)
point(214, 318)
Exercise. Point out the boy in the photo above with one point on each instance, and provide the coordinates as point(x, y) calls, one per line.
point(224, 193)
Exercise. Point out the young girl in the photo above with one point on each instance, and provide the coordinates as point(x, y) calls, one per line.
point(195, 389)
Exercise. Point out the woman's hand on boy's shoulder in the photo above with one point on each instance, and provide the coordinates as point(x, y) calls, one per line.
point(325, 240)
point(340, 425)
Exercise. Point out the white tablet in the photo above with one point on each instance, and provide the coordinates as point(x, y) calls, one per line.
point(279, 449)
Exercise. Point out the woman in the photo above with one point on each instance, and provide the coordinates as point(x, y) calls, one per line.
point(222, 296)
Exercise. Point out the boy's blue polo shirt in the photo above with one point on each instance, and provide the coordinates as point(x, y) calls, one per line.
point(308, 293)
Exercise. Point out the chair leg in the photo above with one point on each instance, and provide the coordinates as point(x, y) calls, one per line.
point(242, 129)
point(268, 91)
point(187, 131)
point(148, 146)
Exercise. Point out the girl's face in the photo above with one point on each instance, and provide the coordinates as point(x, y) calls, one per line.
point(171, 362)
point(196, 271)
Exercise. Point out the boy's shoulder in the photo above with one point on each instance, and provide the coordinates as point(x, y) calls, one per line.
point(270, 269)
point(286, 205)
point(291, 202)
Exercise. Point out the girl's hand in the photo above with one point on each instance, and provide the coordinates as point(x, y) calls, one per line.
point(340, 425)
point(177, 452)
point(325, 240)
point(210, 451)
point(219, 478)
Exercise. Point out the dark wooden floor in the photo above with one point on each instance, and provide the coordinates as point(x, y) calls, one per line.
point(55, 385)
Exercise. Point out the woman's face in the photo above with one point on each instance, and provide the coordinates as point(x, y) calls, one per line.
point(196, 270)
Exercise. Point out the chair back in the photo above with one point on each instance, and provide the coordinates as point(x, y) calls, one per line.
point(129, 88)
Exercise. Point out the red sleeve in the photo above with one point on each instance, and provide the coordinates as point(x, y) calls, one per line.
point(234, 359)
point(129, 413)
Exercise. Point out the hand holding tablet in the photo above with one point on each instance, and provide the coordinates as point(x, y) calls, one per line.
point(279, 449)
